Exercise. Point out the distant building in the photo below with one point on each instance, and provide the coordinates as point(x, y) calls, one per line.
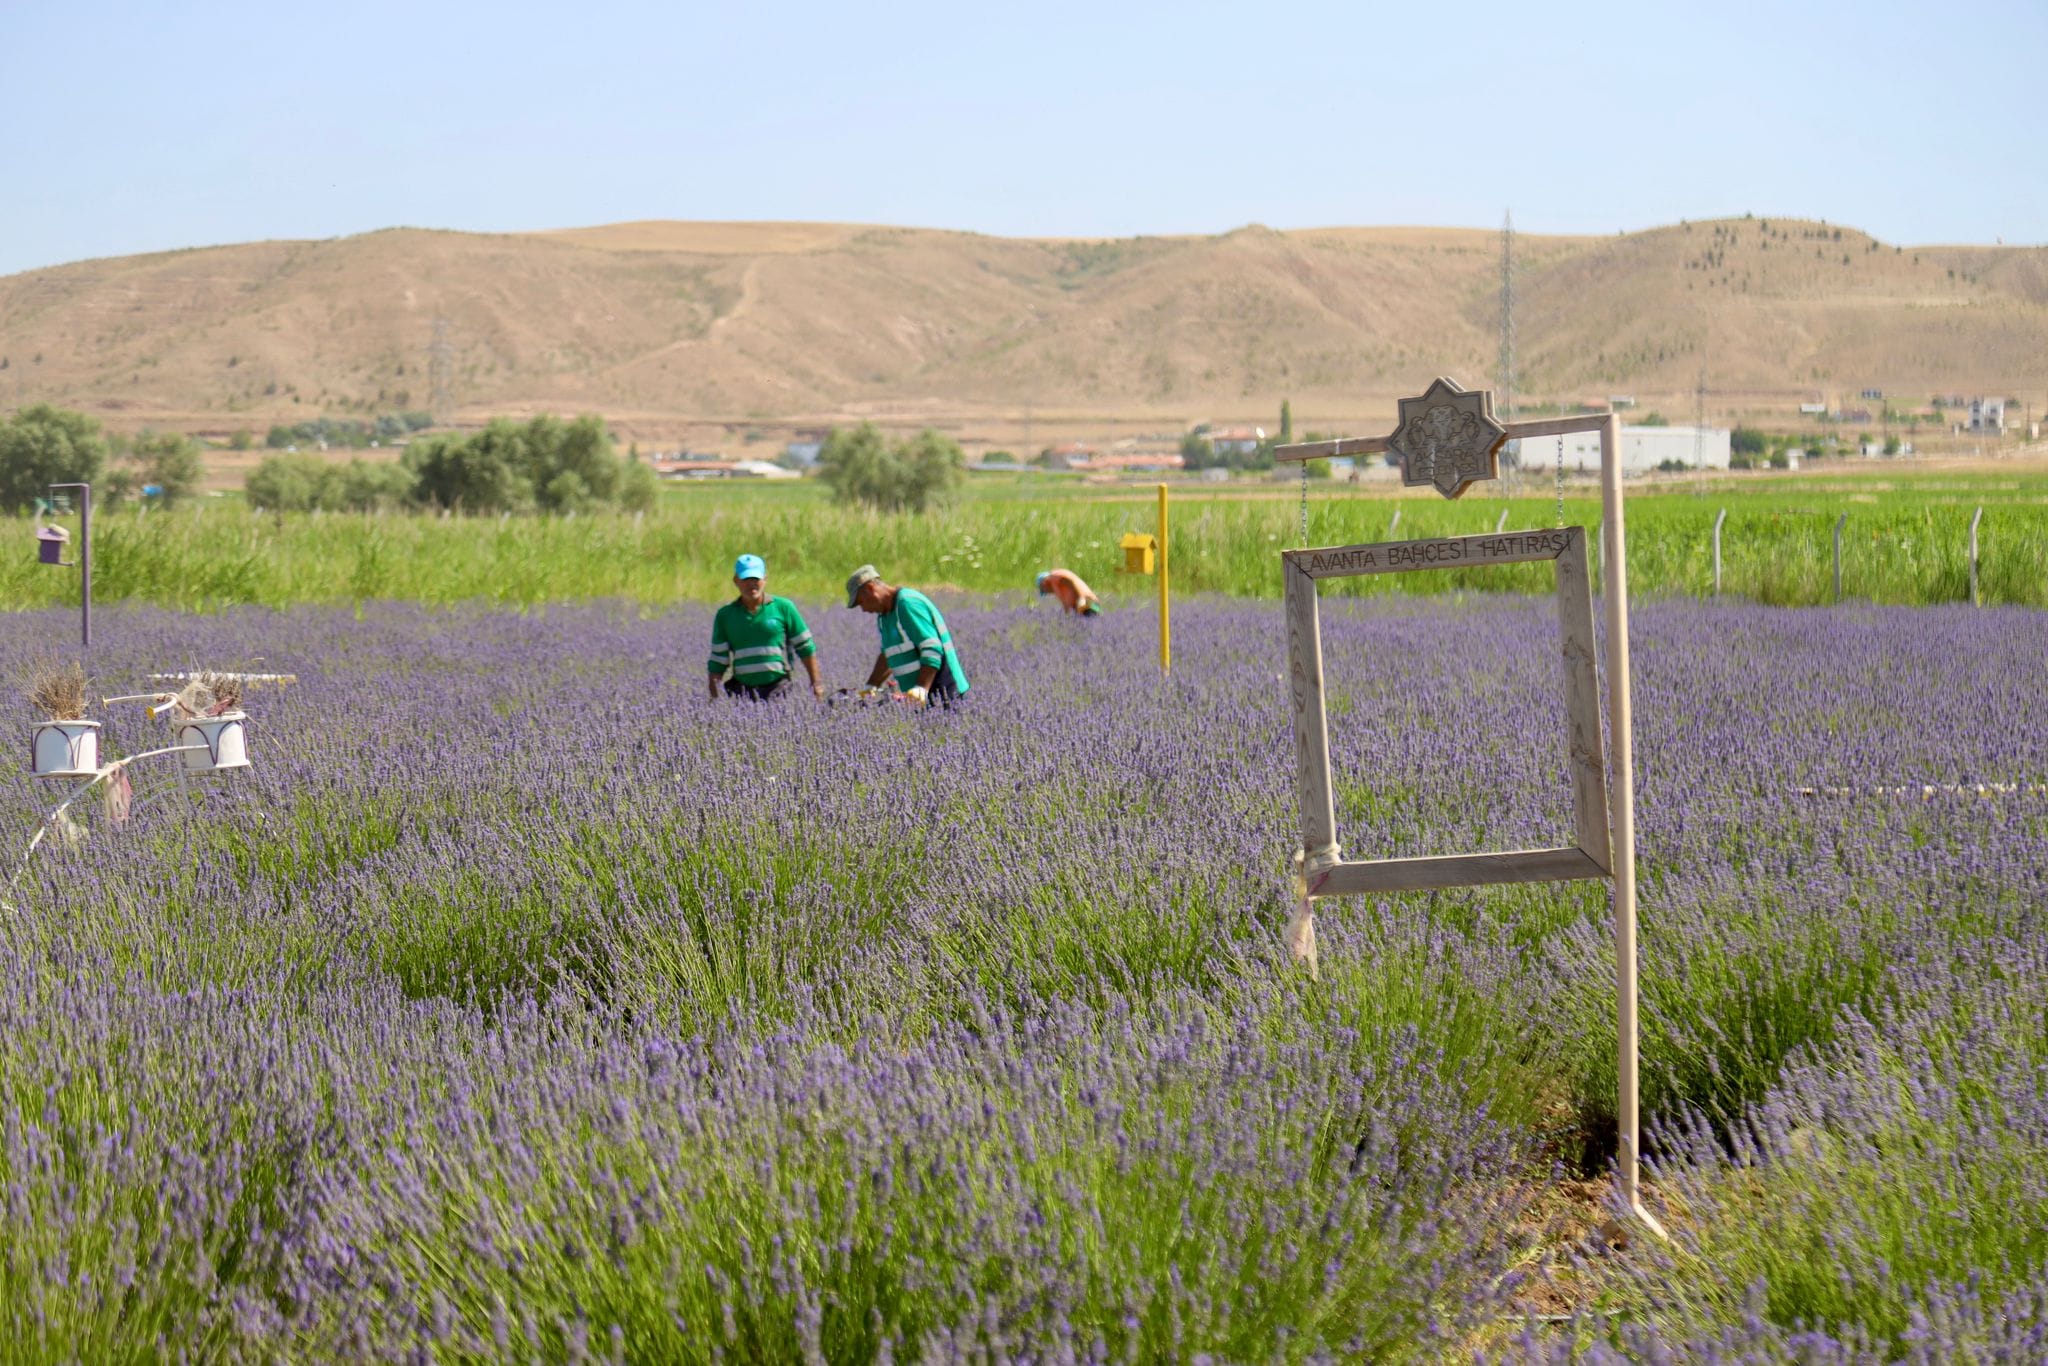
point(759, 469)
point(1237, 440)
point(803, 453)
point(1137, 461)
point(1070, 455)
point(1987, 415)
point(1813, 409)
point(689, 467)
point(1642, 449)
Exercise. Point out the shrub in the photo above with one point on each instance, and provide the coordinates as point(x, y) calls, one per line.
point(305, 483)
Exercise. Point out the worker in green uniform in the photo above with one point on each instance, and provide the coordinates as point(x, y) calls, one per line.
point(753, 635)
point(917, 649)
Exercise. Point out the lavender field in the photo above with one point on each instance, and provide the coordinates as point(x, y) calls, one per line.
point(519, 1004)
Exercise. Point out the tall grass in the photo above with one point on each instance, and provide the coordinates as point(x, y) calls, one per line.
point(1904, 545)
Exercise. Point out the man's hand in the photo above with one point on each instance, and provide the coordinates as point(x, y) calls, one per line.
point(915, 696)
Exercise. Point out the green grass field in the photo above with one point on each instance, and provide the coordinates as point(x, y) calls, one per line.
point(1905, 543)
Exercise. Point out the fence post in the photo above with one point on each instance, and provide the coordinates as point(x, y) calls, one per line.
point(1975, 517)
point(1839, 522)
point(1719, 518)
point(1165, 620)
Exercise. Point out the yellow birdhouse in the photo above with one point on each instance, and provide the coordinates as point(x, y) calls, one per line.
point(1139, 550)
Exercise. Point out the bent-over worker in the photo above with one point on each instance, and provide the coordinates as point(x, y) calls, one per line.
point(1075, 596)
point(753, 635)
point(917, 649)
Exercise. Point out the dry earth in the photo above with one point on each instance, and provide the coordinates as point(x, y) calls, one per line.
point(695, 332)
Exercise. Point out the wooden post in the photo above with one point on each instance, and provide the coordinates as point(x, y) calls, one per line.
point(1719, 518)
point(1582, 703)
point(1975, 517)
point(85, 566)
point(1165, 618)
point(84, 561)
point(1311, 727)
point(1621, 797)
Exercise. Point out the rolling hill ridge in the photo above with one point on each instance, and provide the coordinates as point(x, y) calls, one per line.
point(666, 324)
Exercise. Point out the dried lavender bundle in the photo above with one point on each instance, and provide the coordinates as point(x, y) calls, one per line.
point(57, 690)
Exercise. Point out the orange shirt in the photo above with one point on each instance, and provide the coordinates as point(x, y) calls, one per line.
point(1074, 595)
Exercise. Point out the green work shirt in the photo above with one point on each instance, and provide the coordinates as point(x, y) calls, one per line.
point(752, 644)
point(914, 637)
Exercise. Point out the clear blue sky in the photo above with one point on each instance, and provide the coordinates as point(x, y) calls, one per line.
point(133, 127)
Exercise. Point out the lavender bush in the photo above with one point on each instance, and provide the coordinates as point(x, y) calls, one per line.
point(520, 1004)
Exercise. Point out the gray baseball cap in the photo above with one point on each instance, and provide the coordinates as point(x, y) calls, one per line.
point(867, 573)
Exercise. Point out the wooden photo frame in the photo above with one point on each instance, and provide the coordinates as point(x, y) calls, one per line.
point(1325, 871)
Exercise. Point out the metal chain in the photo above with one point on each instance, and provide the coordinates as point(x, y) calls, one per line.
point(1560, 481)
point(1304, 504)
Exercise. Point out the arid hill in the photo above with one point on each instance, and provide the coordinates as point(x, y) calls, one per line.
point(666, 327)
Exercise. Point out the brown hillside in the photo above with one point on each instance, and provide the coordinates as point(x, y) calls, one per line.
point(665, 325)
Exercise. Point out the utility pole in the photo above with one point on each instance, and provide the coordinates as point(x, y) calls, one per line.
point(1506, 411)
point(1699, 433)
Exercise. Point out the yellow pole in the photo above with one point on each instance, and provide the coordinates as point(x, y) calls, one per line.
point(1165, 620)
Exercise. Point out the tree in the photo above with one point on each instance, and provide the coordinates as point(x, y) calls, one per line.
point(1198, 452)
point(572, 466)
point(936, 467)
point(1747, 441)
point(284, 483)
point(170, 462)
point(1286, 422)
point(639, 489)
point(482, 473)
point(42, 445)
point(861, 466)
point(548, 464)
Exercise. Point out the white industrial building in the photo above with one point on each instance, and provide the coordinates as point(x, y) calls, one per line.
point(1642, 449)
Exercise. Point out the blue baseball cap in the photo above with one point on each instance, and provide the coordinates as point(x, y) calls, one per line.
point(750, 567)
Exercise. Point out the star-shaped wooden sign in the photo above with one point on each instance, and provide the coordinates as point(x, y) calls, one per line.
point(1448, 438)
